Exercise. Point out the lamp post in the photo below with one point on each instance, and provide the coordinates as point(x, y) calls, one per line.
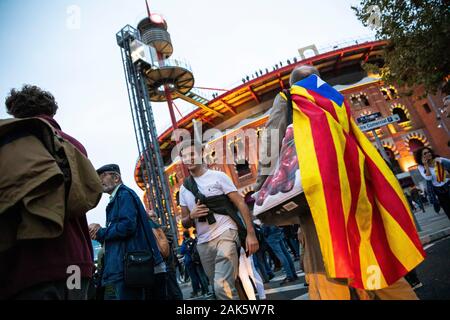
point(441, 123)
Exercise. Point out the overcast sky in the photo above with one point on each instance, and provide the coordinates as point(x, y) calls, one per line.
point(43, 43)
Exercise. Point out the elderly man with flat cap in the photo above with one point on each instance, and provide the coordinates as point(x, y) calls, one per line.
point(126, 231)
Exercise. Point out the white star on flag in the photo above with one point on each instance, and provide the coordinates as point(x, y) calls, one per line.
point(320, 82)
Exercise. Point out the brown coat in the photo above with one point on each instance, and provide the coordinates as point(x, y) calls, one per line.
point(36, 167)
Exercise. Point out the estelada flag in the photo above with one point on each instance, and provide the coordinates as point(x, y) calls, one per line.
point(440, 172)
point(365, 227)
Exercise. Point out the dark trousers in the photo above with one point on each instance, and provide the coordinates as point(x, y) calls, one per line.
point(273, 257)
point(293, 245)
point(412, 278)
point(276, 242)
point(260, 261)
point(444, 201)
point(173, 289)
point(118, 290)
point(198, 278)
point(55, 290)
point(420, 204)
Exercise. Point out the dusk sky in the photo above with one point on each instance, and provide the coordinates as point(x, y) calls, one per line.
point(44, 43)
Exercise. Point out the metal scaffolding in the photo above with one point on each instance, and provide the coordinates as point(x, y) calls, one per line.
point(152, 165)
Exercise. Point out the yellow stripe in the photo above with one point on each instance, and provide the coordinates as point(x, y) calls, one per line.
point(399, 241)
point(342, 115)
point(314, 192)
point(302, 92)
point(339, 141)
point(440, 172)
point(370, 268)
point(375, 156)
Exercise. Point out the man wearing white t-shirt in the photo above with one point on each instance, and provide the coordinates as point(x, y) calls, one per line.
point(217, 242)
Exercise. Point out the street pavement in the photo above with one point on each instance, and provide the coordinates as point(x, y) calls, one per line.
point(433, 226)
point(433, 272)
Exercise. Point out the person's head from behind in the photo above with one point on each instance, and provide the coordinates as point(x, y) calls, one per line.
point(424, 155)
point(302, 72)
point(30, 101)
point(186, 235)
point(152, 215)
point(110, 177)
point(191, 155)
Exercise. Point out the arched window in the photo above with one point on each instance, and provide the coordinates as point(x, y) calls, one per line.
point(415, 144)
point(401, 113)
point(355, 102)
point(364, 100)
point(385, 94)
point(242, 168)
point(236, 147)
point(393, 93)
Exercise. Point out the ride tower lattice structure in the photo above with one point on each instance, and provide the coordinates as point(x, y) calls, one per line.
point(138, 58)
point(152, 75)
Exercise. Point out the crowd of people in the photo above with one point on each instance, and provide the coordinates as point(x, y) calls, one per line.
point(48, 185)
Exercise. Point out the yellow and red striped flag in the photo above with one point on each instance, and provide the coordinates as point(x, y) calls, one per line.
point(365, 227)
point(441, 174)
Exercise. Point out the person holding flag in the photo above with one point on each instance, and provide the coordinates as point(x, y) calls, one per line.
point(434, 170)
point(360, 235)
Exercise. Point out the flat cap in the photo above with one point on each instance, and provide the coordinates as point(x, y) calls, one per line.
point(108, 167)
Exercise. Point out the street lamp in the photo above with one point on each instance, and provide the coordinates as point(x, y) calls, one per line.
point(441, 123)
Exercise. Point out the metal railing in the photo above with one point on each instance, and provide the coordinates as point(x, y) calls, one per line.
point(175, 63)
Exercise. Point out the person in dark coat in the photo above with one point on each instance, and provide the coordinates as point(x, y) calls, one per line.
point(126, 231)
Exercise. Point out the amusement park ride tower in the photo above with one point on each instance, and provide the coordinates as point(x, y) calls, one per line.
point(151, 76)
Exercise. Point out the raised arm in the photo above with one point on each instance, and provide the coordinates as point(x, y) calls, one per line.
point(252, 244)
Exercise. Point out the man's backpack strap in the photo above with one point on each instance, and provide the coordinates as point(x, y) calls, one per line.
point(190, 184)
point(287, 93)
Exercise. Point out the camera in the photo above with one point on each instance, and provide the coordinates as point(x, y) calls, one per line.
point(210, 218)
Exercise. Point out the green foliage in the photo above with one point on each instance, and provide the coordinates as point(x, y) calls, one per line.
point(418, 32)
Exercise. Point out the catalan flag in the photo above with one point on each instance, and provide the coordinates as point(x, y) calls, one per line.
point(365, 227)
point(440, 172)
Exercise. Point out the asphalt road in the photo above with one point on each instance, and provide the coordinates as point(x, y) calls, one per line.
point(434, 274)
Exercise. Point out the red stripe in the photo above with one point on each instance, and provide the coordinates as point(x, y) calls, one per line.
point(327, 161)
point(389, 199)
point(390, 266)
point(440, 171)
point(351, 158)
point(324, 103)
point(347, 108)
